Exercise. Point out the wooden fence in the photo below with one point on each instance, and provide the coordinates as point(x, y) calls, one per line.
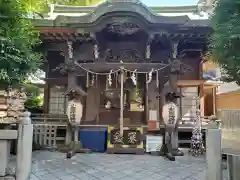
point(230, 130)
point(229, 117)
point(49, 118)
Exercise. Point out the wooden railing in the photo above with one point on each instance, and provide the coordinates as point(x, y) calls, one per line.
point(228, 114)
point(49, 118)
point(230, 130)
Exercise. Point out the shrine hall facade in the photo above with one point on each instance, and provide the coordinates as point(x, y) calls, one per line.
point(88, 47)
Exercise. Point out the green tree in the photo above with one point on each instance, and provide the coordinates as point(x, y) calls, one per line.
point(34, 100)
point(17, 40)
point(225, 40)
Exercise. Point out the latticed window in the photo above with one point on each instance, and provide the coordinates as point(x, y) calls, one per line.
point(57, 101)
point(189, 101)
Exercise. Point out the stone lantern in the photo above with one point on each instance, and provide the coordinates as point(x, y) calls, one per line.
point(74, 114)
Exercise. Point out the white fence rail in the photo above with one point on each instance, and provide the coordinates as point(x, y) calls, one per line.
point(44, 135)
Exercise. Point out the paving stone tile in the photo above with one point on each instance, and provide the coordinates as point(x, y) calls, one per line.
point(68, 177)
point(53, 165)
point(33, 177)
point(119, 175)
point(41, 173)
point(109, 171)
point(108, 177)
point(98, 174)
point(60, 173)
point(128, 171)
point(80, 174)
point(48, 177)
point(130, 178)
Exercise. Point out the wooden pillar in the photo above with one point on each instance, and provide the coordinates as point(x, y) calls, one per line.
point(46, 87)
point(46, 98)
point(158, 101)
point(201, 93)
point(201, 88)
point(121, 102)
point(180, 102)
point(71, 81)
point(214, 101)
point(146, 100)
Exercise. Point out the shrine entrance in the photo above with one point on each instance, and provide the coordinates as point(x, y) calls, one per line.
point(120, 96)
point(118, 82)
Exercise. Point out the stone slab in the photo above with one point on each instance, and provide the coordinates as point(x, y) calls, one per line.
point(4, 155)
point(7, 178)
point(8, 134)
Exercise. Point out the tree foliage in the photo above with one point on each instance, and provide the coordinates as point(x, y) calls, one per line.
point(225, 40)
point(17, 40)
point(34, 100)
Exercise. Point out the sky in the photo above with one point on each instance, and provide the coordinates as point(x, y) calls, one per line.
point(169, 2)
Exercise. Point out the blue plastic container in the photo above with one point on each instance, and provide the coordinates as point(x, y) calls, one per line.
point(94, 139)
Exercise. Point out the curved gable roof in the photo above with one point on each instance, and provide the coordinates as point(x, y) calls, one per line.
point(116, 9)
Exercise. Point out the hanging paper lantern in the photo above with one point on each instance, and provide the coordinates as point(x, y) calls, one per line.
point(133, 77)
point(70, 49)
point(110, 78)
point(149, 76)
point(93, 80)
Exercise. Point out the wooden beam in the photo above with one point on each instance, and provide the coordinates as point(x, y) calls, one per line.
point(190, 83)
point(56, 30)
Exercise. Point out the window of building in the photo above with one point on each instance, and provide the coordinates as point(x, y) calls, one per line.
point(57, 101)
point(188, 102)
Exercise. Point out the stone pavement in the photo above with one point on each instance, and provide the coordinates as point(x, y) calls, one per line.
point(53, 166)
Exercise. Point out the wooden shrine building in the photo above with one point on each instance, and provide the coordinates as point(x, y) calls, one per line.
point(97, 48)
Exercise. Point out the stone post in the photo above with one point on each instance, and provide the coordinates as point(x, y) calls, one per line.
point(6, 135)
point(213, 152)
point(24, 148)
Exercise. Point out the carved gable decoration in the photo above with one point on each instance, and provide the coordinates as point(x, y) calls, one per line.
point(123, 28)
point(123, 55)
point(126, 52)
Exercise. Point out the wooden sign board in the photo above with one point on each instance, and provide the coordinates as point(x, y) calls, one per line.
point(130, 141)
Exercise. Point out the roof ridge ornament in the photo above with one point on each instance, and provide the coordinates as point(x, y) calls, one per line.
point(206, 6)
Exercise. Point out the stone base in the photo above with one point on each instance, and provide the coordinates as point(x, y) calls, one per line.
point(115, 150)
point(7, 178)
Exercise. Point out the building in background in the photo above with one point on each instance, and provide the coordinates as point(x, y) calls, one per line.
point(227, 95)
